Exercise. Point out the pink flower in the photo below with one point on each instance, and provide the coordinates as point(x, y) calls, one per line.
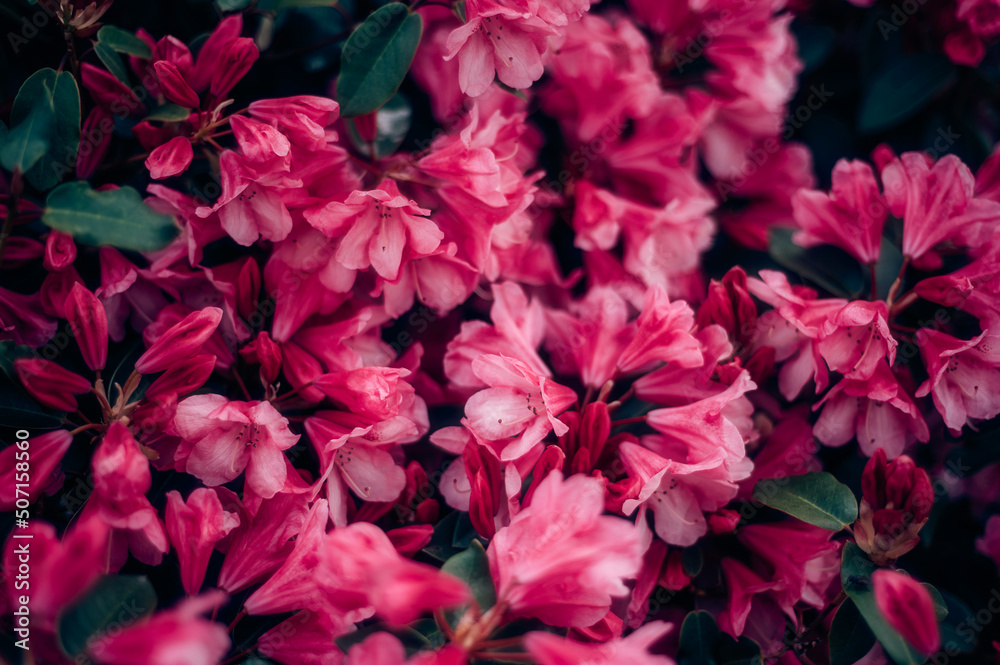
point(896, 502)
point(518, 404)
point(856, 338)
point(173, 85)
point(360, 568)
point(935, 201)
point(877, 410)
point(663, 334)
point(45, 452)
point(306, 638)
point(60, 251)
point(379, 228)
point(677, 492)
point(497, 40)
point(303, 119)
point(908, 607)
point(851, 216)
point(549, 649)
point(222, 438)
point(262, 541)
point(962, 376)
point(989, 543)
point(24, 319)
point(194, 527)
point(178, 636)
point(180, 342)
point(560, 559)
point(235, 61)
point(210, 53)
point(170, 159)
point(50, 384)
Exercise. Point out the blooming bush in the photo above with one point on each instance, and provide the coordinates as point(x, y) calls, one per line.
point(547, 331)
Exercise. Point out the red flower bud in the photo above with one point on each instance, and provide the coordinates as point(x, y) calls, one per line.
point(264, 351)
point(409, 540)
point(908, 607)
point(95, 137)
point(108, 92)
point(896, 501)
point(183, 378)
point(60, 251)
point(181, 341)
point(237, 58)
point(173, 85)
point(170, 159)
point(247, 288)
point(552, 458)
point(730, 305)
point(89, 324)
point(483, 469)
point(50, 384)
point(210, 53)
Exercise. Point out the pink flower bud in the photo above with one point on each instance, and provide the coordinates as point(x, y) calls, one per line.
point(170, 159)
point(409, 540)
point(247, 288)
point(483, 470)
point(60, 251)
point(173, 85)
point(896, 501)
point(237, 58)
point(551, 459)
point(89, 324)
point(108, 92)
point(181, 341)
point(175, 52)
point(50, 384)
point(908, 608)
point(265, 352)
point(95, 137)
point(211, 51)
point(183, 378)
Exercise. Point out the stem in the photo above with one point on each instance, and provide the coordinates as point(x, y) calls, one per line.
point(905, 301)
point(628, 421)
point(242, 654)
point(239, 617)
point(82, 428)
point(74, 62)
point(243, 387)
point(13, 198)
point(894, 289)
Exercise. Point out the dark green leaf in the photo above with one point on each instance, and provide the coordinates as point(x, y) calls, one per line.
point(113, 603)
point(743, 651)
point(473, 568)
point(464, 533)
point(850, 636)
point(275, 6)
point(123, 42)
point(112, 61)
point(828, 267)
point(169, 113)
point(890, 260)
point(56, 93)
point(232, 5)
point(118, 217)
point(958, 630)
point(699, 636)
point(393, 123)
point(816, 498)
point(441, 547)
point(940, 607)
point(855, 575)
point(28, 141)
point(691, 561)
point(376, 58)
point(903, 88)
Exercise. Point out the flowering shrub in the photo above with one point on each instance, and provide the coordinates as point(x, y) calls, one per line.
point(546, 331)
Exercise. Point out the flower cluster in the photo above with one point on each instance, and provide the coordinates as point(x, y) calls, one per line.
point(527, 334)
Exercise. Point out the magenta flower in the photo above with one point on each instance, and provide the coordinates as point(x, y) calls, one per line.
point(194, 527)
point(224, 438)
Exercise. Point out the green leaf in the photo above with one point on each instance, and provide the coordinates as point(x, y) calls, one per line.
point(817, 498)
point(691, 561)
point(743, 651)
point(114, 602)
point(112, 61)
point(123, 41)
point(957, 629)
point(275, 6)
point(376, 58)
point(169, 113)
point(28, 141)
point(392, 121)
point(830, 268)
point(47, 91)
point(850, 636)
point(900, 90)
point(232, 5)
point(473, 568)
point(940, 606)
point(699, 636)
point(117, 217)
point(855, 574)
